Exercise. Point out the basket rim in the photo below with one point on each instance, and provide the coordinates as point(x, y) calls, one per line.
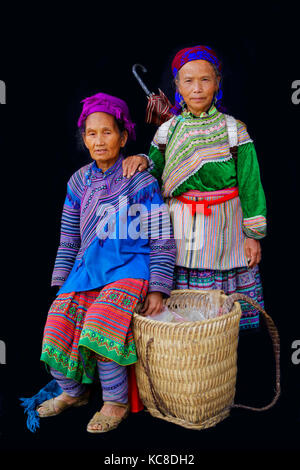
point(236, 309)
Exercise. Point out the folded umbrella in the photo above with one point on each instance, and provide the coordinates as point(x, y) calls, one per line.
point(158, 106)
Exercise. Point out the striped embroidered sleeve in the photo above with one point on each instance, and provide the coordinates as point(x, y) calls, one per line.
point(70, 232)
point(157, 224)
point(251, 192)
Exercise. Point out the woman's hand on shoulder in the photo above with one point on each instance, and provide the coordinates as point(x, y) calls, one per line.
point(153, 304)
point(134, 163)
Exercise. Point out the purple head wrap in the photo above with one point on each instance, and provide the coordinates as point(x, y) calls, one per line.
point(101, 102)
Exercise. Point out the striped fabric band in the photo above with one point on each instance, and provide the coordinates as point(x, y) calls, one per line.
point(69, 386)
point(114, 381)
point(255, 226)
point(209, 242)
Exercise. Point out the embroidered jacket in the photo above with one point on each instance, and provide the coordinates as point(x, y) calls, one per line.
point(113, 228)
point(193, 153)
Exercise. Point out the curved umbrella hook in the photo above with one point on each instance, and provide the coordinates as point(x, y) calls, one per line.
point(148, 93)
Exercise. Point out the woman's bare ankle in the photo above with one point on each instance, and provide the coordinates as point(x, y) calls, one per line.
point(113, 410)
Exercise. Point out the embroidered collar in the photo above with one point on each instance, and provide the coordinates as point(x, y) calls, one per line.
point(93, 169)
point(188, 114)
point(109, 171)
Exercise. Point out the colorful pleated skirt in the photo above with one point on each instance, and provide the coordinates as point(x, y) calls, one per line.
point(243, 280)
point(81, 326)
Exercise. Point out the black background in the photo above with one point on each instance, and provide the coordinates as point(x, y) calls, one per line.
point(50, 61)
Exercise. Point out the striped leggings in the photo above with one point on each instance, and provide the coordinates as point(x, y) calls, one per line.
point(113, 379)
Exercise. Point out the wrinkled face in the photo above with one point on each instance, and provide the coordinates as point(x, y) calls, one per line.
point(103, 139)
point(197, 83)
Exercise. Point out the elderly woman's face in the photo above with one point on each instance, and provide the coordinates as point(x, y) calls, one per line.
point(197, 84)
point(103, 139)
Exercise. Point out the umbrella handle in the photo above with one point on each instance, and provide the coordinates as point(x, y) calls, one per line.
point(148, 93)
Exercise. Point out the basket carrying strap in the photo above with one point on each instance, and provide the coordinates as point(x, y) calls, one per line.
point(227, 306)
point(159, 403)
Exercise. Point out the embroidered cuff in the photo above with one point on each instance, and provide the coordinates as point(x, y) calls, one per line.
point(255, 227)
point(159, 287)
point(57, 281)
point(59, 276)
point(150, 162)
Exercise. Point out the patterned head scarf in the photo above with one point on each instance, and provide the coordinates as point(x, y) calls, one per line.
point(101, 102)
point(187, 55)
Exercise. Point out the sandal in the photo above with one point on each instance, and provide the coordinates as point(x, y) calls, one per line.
point(55, 406)
point(108, 423)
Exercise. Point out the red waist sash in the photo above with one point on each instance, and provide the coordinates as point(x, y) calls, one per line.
point(202, 205)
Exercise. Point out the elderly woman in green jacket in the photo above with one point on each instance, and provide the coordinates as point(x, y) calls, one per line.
point(206, 164)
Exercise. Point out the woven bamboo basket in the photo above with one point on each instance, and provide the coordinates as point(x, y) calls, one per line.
point(186, 372)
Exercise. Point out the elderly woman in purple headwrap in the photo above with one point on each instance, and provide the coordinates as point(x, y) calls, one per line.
point(104, 267)
point(206, 164)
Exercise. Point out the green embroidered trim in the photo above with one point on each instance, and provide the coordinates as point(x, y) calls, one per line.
point(71, 369)
point(119, 297)
point(187, 114)
point(122, 354)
